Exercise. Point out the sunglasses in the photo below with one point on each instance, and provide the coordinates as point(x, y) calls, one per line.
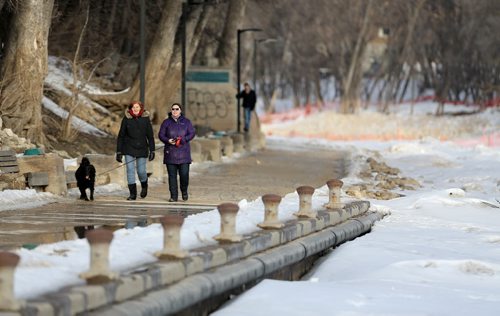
point(176, 109)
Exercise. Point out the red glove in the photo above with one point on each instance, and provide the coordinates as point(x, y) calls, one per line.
point(178, 142)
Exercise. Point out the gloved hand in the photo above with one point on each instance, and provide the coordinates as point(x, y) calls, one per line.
point(151, 155)
point(119, 157)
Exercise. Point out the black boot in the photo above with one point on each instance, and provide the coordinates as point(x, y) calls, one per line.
point(144, 189)
point(132, 188)
point(184, 196)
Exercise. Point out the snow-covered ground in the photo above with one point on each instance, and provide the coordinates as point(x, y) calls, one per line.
point(59, 77)
point(437, 252)
point(19, 199)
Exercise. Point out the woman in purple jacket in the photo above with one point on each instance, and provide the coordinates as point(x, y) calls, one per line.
point(176, 132)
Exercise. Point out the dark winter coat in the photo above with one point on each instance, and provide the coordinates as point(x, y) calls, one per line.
point(171, 129)
point(249, 99)
point(85, 174)
point(136, 136)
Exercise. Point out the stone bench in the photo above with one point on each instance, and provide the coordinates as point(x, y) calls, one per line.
point(70, 179)
point(238, 143)
point(211, 147)
point(254, 140)
point(37, 180)
point(107, 170)
point(50, 164)
point(8, 162)
point(196, 152)
point(227, 146)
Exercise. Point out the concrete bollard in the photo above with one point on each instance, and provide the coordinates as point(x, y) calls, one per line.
point(52, 164)
point(228, 212)
point(99, 272)
point(8, 263)
point(238, 143)
point(271, 203)
point(212, 148)
point(305, 202)
point(334, 186)
point(171, 238)
point(227, 146)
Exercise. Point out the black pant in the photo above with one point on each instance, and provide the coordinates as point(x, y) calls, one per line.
point(183, 170)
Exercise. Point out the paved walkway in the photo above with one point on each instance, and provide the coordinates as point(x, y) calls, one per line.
point(277, 169)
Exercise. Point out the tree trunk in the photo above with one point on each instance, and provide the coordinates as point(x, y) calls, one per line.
point(350, 100)
point(296, 92)
point(158, 61)
point(284, 63)
point(196, 20)
point(227, 49)
point(272, 103)
point(405, 86)
point(26, 53)
point(67, 133)
point(370, 91)
point(111, 21)
point(124, 22)
point(317, 89)
point(307, 92)
point(206, 15)
point(406, 54)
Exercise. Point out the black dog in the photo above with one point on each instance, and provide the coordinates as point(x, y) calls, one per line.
point(85, 179)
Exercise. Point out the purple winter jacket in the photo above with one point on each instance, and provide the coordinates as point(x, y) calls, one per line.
point(172, 129)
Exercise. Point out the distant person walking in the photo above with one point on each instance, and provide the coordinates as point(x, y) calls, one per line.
point(136, 142)
point(249, 99)
point(176, 132)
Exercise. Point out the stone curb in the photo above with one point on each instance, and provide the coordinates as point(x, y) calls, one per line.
point(80, 299)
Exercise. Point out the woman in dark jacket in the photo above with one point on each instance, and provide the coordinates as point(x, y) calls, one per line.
point(136, 142)
point(176, 132)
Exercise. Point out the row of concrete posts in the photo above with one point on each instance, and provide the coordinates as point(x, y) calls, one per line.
point(100, 239)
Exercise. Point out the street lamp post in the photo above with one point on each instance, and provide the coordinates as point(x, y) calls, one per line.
point(238, 69)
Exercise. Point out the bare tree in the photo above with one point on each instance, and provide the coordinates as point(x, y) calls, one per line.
point(197, 18)
point(24, 67)
point(350, 99)
point(227, 48)
point(158, 59)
